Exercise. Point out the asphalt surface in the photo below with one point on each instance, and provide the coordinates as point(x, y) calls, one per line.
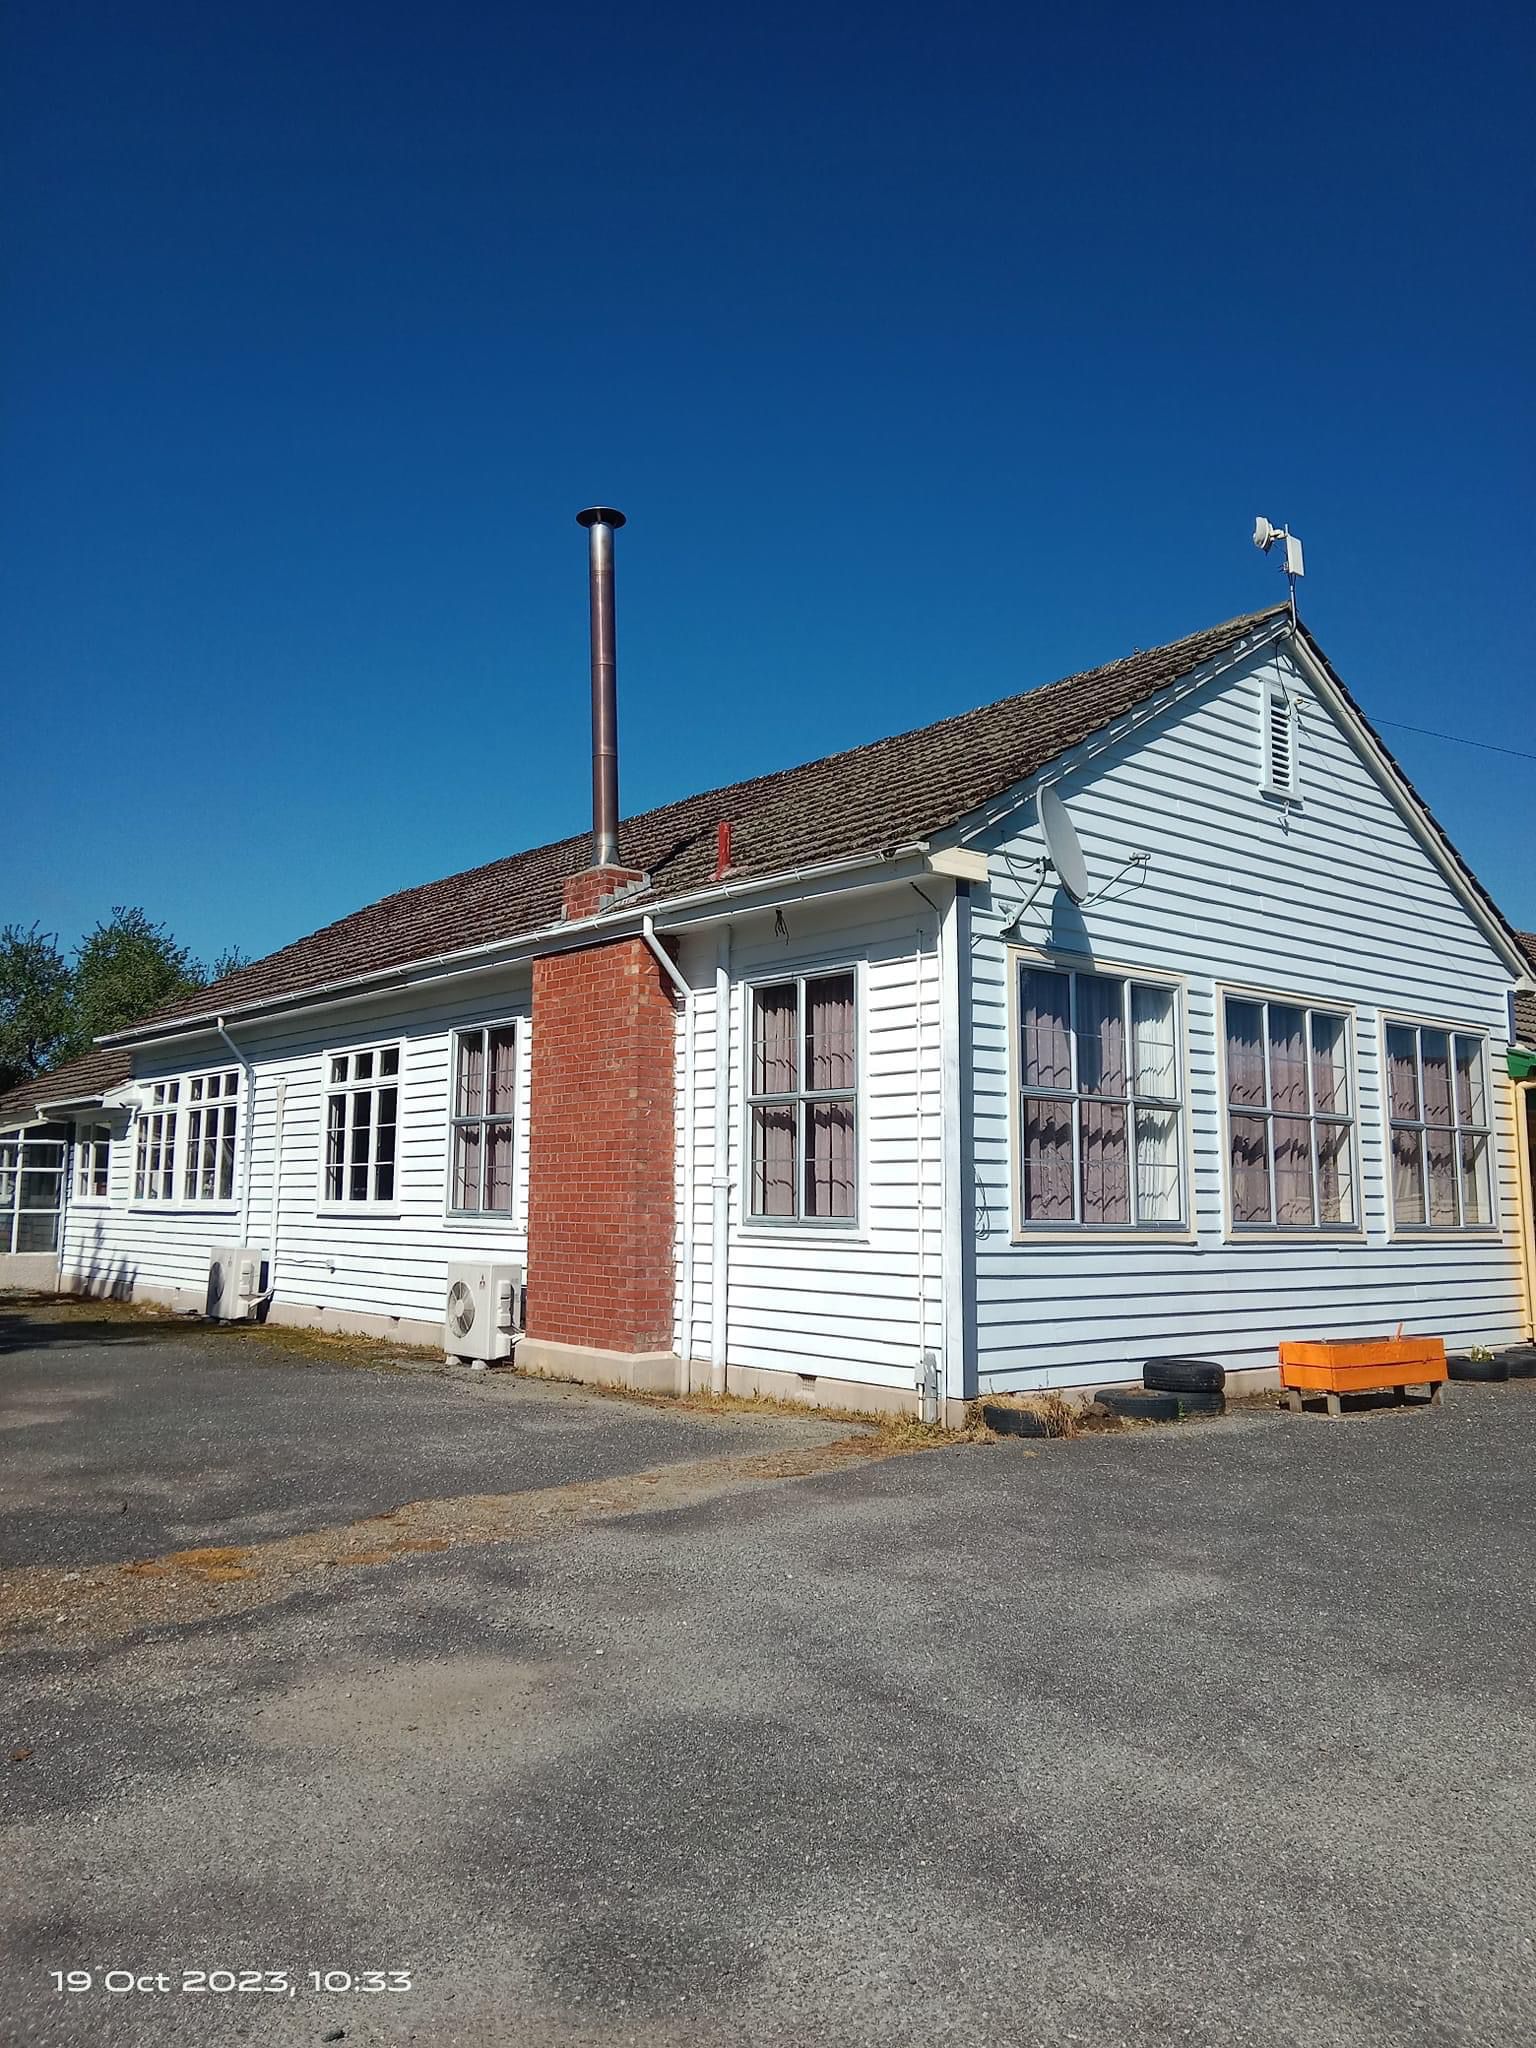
point(1220, 1734)
point(123, 1442)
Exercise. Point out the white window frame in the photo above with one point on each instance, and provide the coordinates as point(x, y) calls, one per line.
point(494, 1218)
point(163, 1129)
point(1460, 1230)
point(93, 1163)
point(781, 977)
point(207, 1099)
point(158, 1136)
point(1262, 1000)
point(33, 1151)
point(1282, 700)
point(1030, 1229)
point(373, 1085)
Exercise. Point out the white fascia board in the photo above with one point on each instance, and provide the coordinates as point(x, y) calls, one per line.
point(1429, 835)
point(959, 862)
point(1072, 759)
point(702, 907)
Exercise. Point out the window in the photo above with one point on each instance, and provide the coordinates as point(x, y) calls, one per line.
point(361, 1111)
point(484, 1104)
point(1437, 1093)
point(93, 1153)
point(208, 1150)
point(31, 1188)
point(1290, 1119)
point(803, 1100)
point(1100, 1109)
point(1280, 742)
point(154, 1166)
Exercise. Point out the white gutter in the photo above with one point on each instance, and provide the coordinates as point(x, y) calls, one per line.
point(720, 1228)
point(249, 1122)
point(564, 936)
point(670, 969)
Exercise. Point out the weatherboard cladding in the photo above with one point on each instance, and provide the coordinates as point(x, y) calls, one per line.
point(864, 801)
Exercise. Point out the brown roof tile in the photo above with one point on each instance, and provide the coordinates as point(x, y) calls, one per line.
point(78, 1080)
point(1525, 1006)
point(866, 800)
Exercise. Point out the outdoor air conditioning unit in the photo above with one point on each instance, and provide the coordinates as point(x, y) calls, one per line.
point(235, 1273)
point(483, 1315)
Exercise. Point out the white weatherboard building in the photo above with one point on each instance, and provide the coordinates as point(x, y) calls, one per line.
point(827, 1087)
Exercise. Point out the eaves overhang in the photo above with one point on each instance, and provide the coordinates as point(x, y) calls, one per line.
point(726, 899)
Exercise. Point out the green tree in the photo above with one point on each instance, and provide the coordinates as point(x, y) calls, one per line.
point(125, 969)
point(36, 1008)
point(230, 961)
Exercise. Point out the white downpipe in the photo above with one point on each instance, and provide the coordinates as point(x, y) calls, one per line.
point(669, 966)
point(279, 1106)
point(922, 1219)
point(720, 1229)
point(248, 1105)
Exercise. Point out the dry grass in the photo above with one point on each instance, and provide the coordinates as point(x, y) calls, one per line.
point(1058, 1416)
point(286, 1340)
point(304, 1345)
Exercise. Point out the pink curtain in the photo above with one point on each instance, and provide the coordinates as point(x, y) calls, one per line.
point(1047, 1160)
point(502, 1089)
point(773, 1161)
point(1439, 1148)
point(1101, 1038)
point(773, 1042)
point(1437, 1077)
point(1250, 1168)
point(829, 1166)
point(1045, 1022)
point(1335, 1190)
point(498, 1168)
point(1105, 1161)
point(1408, 1176)
point(1330, 1066)
point(470, 1097)
point(1471, 1106)
point(1287, 1064)
point(829, 1047)
point(1245, 1057)
point(466, 1167)
point(1293, 1167)
point(1402, 1073)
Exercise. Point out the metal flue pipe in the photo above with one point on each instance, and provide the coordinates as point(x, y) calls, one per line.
point(602, 522)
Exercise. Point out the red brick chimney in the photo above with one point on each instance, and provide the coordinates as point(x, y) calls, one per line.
point(602, 1135)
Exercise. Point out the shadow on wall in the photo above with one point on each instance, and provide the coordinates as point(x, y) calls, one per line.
point(98, 1277)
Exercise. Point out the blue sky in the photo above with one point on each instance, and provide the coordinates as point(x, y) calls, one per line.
point(932, 353)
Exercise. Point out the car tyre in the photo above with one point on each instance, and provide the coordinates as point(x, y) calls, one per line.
point(1183, 1375)
point(1461, 1367)
point(1003, 1419)
point(1140, 1404)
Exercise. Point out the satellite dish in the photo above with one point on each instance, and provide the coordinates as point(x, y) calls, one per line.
point(1264, 535)
point(1062, 845)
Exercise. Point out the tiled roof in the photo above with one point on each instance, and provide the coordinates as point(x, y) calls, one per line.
point(1525, 1006)
point(78, 1080)
point(864, 801)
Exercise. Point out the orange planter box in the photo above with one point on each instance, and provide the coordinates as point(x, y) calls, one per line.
point(1363, 1365)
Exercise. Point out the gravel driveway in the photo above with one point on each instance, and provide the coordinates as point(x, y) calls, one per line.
point(1220, 1734)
